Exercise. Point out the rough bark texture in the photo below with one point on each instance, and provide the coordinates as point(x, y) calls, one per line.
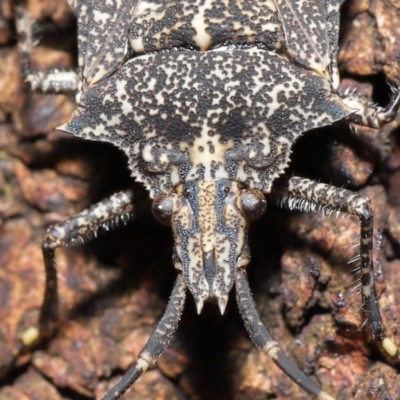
point(113, 290)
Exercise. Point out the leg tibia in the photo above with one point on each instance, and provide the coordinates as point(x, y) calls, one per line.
point(116, 209)
point(306, 195)
point(75, 230)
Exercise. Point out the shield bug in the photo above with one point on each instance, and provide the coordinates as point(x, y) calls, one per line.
point(206, 99)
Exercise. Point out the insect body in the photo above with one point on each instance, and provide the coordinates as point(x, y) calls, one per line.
point(206, 98)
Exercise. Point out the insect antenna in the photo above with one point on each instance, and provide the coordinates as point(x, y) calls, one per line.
point(263, 339)
point(157, 342)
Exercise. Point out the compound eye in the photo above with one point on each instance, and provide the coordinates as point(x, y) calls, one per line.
point(162, 209)
point(253, 204)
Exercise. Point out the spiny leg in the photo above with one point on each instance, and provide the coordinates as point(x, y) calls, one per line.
point(366, 114)
point(263, 340)
point(157, 342)
point(74, 231)
point(308, 195)
point(52, 82)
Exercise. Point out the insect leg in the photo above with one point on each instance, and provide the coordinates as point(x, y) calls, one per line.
point(75, 230)
point(263, 340)
point(366, 114)
point(308, 195)
point(53, 81)
point(157, 342)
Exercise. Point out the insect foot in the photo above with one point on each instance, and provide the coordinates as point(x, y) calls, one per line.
point(207, 99)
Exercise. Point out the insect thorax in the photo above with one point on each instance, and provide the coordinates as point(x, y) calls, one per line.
point(232, 112)
point(182, 116)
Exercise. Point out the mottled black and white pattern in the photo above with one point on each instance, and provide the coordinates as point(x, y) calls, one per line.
point(219, 114)
point(203, 25)
point(102, 37)
point(311, 33)
point(231, 112)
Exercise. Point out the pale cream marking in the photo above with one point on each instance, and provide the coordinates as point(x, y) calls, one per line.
point(241, 174)
point(30, 336)
point(160, 98)
point(139, 118)
point(151, 83)
point(152, 112)
point(144, 361)
point(100, 18)
point(366, 290)
point(146, 153)
point(196, 276)
point(283, 140)
point(325, 396)
point(364, 271)
point(184, 215)
point(121, 133)
point(221, 173)
point(390, 347)
point(144, 7)
point(137, 45)
point(202, 38)
point(206, 157)
point(222, 303)
point(320, 64)
point(113, 121)
point(120, 92)
point(101, 71)
point(273, 352)
point(109, 58)
point(174, 175)
point(271, 349)
point(107, 97)
point(353, 103)
point(164, 158)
